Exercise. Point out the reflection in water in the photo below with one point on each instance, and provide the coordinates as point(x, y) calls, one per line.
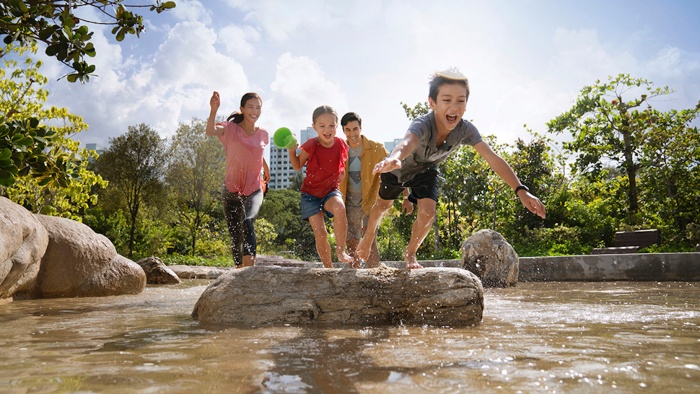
point(537, 337)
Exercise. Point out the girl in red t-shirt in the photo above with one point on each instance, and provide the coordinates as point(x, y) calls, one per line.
point(325, 158)
point(242, 194)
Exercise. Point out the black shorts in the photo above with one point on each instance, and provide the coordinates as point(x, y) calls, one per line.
point(423, 185)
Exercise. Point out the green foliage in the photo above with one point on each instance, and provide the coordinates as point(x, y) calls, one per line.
point(394, 233)
point(282, 209)
point(194, 176)
point(216, 261)
point(418, 110)
point(555, 241)
point(43, 169)
point(66, 35)
point(266, 234)
point(134, 165)
point(607, 130)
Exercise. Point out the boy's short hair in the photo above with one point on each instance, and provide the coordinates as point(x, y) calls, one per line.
point(350, 117)
point(449, 76)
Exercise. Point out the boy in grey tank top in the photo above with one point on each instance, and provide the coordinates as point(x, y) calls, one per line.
point(413, 163)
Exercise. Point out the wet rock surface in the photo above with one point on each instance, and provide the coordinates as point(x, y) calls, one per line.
point(380, 296)
point(491, 258)
point(157, 273)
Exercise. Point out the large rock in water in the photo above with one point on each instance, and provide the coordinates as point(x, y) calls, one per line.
point(488, 255)
point(81, 263)
point(157, 273)
point(23, 241)
point(379, 296)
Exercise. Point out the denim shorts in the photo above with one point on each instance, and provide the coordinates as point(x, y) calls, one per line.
point(311, 205)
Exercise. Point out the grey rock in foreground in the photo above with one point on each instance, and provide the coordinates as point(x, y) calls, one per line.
point(81, 263)
point(23, 242)
point(49, 257)
point(488, 255)
point(379, 296)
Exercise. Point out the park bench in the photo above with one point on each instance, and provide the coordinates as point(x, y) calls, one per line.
point(631, 241)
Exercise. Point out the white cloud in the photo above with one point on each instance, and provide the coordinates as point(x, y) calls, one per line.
point(365, 56)
point(299, 87)
point(173, 85)
point(671, 62)
point(239, 41)
point(192, 11)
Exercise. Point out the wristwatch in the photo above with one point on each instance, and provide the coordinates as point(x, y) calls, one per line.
point(521, 187)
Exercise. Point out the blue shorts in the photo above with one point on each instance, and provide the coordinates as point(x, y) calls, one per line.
point(311, 205)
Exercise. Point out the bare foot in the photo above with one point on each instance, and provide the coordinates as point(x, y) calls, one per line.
point(343, 257)
point(362, 250)
point(412, 262)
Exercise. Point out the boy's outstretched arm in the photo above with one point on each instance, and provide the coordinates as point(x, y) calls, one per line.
point(401, 151)
point(500, 167)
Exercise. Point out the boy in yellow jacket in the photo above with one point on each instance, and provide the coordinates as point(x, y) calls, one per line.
point(360, 187)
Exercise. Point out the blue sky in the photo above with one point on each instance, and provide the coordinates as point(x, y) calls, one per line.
point(526, 61)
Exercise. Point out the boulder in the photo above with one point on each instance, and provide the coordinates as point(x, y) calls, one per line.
point(320, 296)
point(81, 263)
point(488, 255)
point(23, 241)
point(157, 273)
point(198, 271)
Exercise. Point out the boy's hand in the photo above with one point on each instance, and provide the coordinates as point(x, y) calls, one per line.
point(407, 206)
point(215, 101)
point(386, 165)
point(532, 203)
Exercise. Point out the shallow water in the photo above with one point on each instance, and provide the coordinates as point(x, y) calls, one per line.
point(553, 337)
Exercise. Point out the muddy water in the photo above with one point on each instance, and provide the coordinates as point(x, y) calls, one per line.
point(571, 337)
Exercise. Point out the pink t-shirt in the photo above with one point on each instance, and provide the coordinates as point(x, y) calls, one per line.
point(324, 166)
point(244, 157)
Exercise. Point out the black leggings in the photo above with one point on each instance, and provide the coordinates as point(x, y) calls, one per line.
point(240, 212)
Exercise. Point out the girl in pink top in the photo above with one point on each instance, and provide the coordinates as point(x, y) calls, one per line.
point(242, 195)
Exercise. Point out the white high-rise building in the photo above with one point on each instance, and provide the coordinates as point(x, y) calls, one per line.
point(281, 171)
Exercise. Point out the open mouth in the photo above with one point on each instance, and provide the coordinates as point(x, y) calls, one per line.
point(452, 118)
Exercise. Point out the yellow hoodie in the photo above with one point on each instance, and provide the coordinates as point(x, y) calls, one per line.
point(372, 153)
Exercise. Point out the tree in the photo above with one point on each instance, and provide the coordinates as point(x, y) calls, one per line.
point(465, 195)
point(59, 25)
point(607, 129)
point(195, 174)
point(24, 140)
point(134, 166)
point(46, 174)
point(670, 172)
point(281, 208)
